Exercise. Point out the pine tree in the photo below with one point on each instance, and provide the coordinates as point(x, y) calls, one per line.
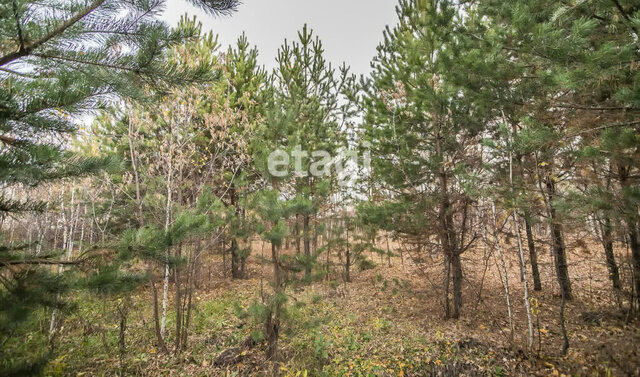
point(307, 93)
point(57, 61)
point(577, 91)
point(245, 83)
point(423, 133)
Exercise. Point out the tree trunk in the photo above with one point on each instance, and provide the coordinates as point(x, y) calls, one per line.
point(607, 244)
point(525, 283)
point(236, 263)
point(156, 319)
point(456, 267)
point(447, 284)
point(533, 255)
point(634, 236)
point(167, 221)
point(329, 237)
point(297, 231)
point(307, 241)
point(388, 252)
point(503, 267)
point(634, 244)
point(272, 325)
point(136, 177)
point(557, 243)
point(446, 231)
point(178, 303)
point(347, 266)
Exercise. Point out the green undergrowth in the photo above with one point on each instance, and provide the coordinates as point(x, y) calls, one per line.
point(321, 336)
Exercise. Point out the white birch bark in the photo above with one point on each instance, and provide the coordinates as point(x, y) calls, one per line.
point(165, 288)
point(523, 264)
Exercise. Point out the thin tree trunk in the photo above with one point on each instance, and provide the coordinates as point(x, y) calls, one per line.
point(633, 233)
point(557, 242)
point(347, 271)
point(388, 252)
point(503, 267)
point(156, 319)
point(525, 283)
point(607, 244)
point(191, 285)
point(329, 238)
point(273, 321)
point(523, 266)
point(136, 178)
point(447, 284)
point(123, 311)
point(235, 260)
point(178, 303)
point(165, 287)
point(446, 233)
point(297, 231)
point(533, 255)
point(307, 241)
point(456, 267)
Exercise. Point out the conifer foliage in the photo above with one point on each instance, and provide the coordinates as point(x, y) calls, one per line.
point(197, 213)
point(59, 60)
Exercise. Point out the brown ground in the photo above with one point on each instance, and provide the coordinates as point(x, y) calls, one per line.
point(409, 313)
point(603, 338)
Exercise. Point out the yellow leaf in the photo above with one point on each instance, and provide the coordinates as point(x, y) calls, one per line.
point(544, 331)
point(543, 163)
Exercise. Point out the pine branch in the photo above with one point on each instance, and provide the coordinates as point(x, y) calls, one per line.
point(217, 7)
point(42, 262)
point(607, 126)
point(26, 50)
point(83, 61)
point(12, 72)
point(565, 105)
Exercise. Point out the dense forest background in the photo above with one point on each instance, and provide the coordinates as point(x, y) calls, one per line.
point(487, 223)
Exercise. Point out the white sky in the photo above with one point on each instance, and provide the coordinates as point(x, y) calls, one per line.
point(349, 29)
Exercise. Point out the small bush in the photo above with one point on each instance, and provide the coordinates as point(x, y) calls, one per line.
point(366, 264)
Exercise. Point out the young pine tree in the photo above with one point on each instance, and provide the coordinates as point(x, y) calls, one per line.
point(58, 60)
point(423, 133)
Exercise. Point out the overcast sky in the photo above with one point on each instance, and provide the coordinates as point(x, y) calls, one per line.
point(350, 29)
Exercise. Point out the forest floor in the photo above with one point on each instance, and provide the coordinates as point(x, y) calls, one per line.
point(387, 322)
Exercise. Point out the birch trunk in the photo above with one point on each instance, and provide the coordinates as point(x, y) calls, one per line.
point(167, 220)
point(503, 267)
point(67, 240)
point(523, 267)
